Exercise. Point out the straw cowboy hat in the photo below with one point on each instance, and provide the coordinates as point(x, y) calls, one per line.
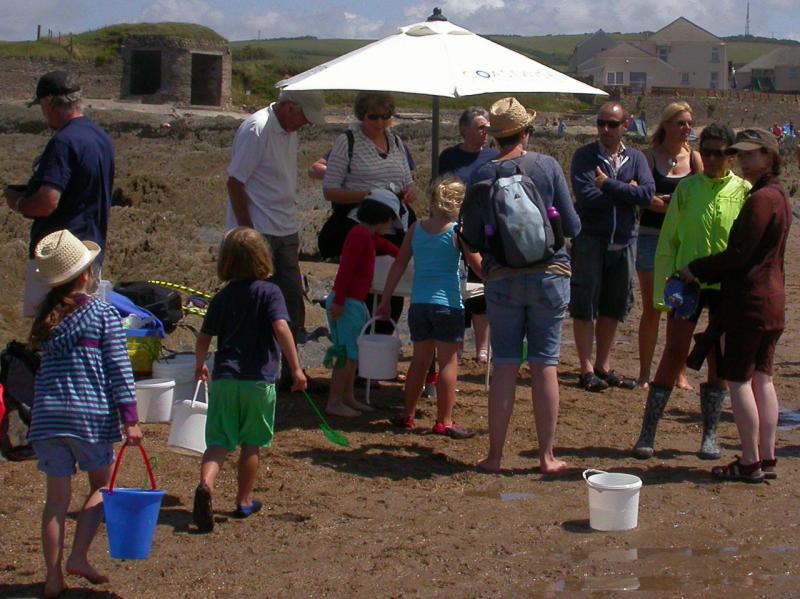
point(60, 257)
point(507, 117)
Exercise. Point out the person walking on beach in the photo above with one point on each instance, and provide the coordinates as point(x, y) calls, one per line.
point(250, 321)
point(72, 182)
point(84, 391)
point(529, 302)
point(611, 182)
point(698, 221)
point(262, 191)
point(752, 277)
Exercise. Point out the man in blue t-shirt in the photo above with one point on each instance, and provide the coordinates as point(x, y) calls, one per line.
point(72, 181)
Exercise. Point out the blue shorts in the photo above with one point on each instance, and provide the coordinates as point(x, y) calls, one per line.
point(58, 455)
point(346, 329)
point(437, 322)
point(529, 306)
point(646, 253)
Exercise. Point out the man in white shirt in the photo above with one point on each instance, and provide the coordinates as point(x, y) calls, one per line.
point(262, 188)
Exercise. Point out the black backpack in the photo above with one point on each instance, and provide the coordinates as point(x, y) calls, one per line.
point(165, 304)
point(18, 367)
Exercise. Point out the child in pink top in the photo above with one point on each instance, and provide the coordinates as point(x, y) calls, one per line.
point(346, 310)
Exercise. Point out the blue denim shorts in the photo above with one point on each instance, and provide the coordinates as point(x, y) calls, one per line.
point(57, 456)
point(529, 306)
point(433, 321)
point(346, 329)
point(646, 253)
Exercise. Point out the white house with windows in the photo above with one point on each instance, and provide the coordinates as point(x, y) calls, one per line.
point(681, 54)
point(778, 71)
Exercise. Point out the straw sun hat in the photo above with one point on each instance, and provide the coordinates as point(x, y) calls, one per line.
point(507, 117)
point(60, 257)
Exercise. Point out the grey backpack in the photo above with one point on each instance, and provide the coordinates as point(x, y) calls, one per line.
point(507, 218)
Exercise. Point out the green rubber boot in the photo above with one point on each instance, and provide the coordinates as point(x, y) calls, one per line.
point(657, 398)
point(711, 400)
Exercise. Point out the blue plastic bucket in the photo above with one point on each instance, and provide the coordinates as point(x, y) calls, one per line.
point(131, 518)
point(131, 514)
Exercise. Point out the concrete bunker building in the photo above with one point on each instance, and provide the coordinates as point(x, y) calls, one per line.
point(190, 72)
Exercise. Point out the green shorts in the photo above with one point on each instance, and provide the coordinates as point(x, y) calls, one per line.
point(240, 413)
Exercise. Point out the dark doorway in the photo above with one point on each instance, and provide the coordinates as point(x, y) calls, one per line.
point(145, 71)
point(206, 79)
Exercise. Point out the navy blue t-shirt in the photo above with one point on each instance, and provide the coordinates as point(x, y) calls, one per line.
point(79, 162)
point(241, 317)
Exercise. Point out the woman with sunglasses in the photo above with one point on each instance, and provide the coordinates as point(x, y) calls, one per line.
point(671, 160)
point(751, 274)
point(698, 219)
point(368, 156)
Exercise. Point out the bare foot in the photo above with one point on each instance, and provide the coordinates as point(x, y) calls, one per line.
point(85, 570)
point(552, 466)
point(341, 410)
point(643, 383)
point(352, 402)
point(53, 588)
point(683, 383)
point(488, 466)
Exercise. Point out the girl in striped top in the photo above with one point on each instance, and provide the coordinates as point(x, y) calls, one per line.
point(84, 390)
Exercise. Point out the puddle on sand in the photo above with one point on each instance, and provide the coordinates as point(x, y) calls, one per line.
point(788, 420)
point(635, 553)
point(616, 582)
point(497, 493)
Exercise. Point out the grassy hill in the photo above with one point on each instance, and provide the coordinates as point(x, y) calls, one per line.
point(103, 44)
point(259, 64)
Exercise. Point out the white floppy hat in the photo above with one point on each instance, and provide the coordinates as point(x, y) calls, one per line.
point(60, 257)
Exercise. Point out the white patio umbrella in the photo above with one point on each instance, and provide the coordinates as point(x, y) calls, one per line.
point(439, 59)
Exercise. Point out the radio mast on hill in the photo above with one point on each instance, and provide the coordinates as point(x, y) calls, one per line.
point(747, 22)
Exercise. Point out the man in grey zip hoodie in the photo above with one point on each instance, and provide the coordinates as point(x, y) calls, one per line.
point(610, 182)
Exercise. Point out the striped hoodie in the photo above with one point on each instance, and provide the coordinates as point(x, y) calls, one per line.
point(84, 386)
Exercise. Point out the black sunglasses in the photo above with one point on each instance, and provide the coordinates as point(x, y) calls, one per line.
point(378, 117)
point(610, 124)
point(709, 153)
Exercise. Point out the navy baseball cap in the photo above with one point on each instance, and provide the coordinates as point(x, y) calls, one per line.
point(55, 83)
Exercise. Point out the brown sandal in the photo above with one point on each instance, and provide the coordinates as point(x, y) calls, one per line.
point(768, 468)
point(736, 471)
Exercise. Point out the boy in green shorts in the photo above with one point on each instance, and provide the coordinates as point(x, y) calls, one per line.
point(241, 411)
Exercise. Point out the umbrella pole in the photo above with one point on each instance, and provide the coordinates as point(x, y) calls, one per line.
point(435, 139)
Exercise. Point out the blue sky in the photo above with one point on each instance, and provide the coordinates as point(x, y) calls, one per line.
point(245, 19)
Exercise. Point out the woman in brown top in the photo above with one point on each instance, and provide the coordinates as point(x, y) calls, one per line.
point(752, 276)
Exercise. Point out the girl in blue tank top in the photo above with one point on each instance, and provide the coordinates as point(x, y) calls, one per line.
point(436, 316)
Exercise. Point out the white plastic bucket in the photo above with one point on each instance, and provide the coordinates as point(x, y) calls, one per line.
point(378, 354)
point(179, 368)
point(154, 399)
point(187, 434)
point(613, 499)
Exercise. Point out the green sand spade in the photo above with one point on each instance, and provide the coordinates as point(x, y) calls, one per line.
point(330, 434)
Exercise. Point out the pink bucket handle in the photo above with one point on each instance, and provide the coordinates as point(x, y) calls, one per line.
point(119, 460)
